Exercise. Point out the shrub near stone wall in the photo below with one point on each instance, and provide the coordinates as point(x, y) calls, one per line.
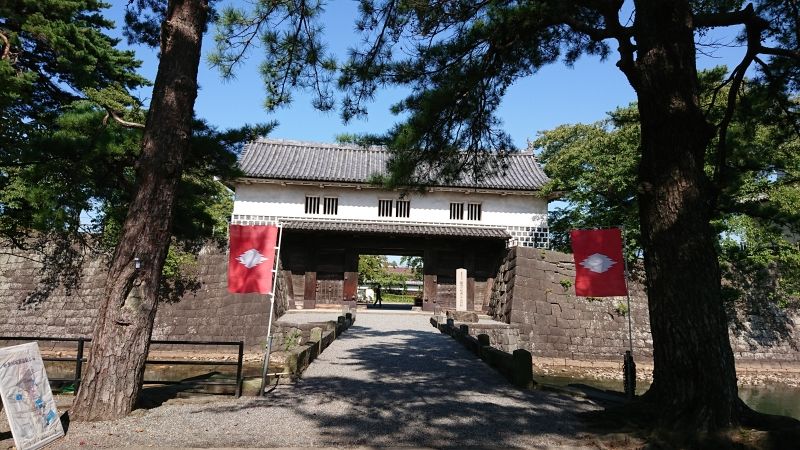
point(534, 291)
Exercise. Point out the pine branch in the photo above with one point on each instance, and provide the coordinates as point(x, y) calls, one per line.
point(595, 34)
point(754, 26)
point(6, 47)
point(794, 54)
point(746, 16)
point(292, 51)
point(112, 114)
point(242, 39)
point(785, 108)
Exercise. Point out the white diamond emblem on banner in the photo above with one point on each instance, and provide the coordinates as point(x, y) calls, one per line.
point(598, 263)
point(251, 258)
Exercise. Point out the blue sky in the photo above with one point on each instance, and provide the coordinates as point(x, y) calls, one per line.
point(555, 95)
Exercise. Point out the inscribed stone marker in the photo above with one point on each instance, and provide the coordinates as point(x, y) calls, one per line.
point(461, 289)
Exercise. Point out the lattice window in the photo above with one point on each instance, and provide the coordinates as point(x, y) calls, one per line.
point(402, 208)
point(384, 208)
point(312, 205)
point(456, 211)
point(473, 211)
point(330, 206)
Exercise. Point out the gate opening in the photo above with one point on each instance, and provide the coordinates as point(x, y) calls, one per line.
point(390, 281)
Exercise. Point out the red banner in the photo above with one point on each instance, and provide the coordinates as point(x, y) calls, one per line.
point(251, 258)
point(599, 267)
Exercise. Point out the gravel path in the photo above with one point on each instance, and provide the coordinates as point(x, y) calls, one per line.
point(390, 380)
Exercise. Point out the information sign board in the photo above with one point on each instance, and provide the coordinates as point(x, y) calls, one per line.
point(27, 398)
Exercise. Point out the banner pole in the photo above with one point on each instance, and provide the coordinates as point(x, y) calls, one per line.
point(627, 290)
point(271, 296)
point(628, 366)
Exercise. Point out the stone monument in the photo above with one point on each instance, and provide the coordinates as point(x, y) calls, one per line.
point(461, 289)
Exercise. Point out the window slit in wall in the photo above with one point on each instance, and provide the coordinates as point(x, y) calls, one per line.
point(402, 208)
point(384, 208)
point(312, 205)
point(456, 211)
point(331, 206)
point(474, 211)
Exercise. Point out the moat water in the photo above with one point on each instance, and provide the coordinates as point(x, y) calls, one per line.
point(771, 398)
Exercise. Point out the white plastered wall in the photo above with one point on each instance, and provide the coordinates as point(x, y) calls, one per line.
point(509, 210)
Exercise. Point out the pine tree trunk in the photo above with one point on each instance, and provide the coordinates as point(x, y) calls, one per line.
point(694, 379)
point(120, 342)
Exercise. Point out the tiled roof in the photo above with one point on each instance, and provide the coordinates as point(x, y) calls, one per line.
point(396, 228)
point(308, 161)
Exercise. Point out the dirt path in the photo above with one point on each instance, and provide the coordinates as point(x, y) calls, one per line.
point(390, 380)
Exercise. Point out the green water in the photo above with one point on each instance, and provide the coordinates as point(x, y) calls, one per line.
point(772, 398)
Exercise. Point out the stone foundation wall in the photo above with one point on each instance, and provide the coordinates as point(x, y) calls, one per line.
point(501, 336)
point(534, 291)
point(211, 313)
point(286, 335)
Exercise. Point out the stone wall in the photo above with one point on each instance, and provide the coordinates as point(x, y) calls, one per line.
point(501, 336)
point(210, 313)
point(286, 335)
point(534, 291)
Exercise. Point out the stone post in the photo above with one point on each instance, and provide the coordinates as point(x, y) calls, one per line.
point(461, 289)
point(522, 368)
point(483, 341)
point(316, 335)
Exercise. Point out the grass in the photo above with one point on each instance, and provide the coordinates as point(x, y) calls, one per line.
point(397, 298)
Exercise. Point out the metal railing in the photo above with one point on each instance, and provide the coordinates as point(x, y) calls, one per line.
point(79, 359)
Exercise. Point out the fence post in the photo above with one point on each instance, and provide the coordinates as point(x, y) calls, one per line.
point(483, 341)
point(79, 365)
point(629, 375)
point(522, 368)
point(239, 363)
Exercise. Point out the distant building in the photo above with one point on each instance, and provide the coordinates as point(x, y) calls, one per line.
point(331, 214)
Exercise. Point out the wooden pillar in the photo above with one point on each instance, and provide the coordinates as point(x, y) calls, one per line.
point(350, 288)
point(429, 281)
point(310, 284)
point(469, 264)
point(288, 282)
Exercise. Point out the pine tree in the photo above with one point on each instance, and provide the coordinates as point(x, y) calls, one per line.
point(52, 54)
point(459, 58)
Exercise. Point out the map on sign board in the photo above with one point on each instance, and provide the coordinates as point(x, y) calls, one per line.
point(27, 399)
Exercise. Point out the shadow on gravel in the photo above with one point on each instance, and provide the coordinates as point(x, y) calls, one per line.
point(416, 388)
point(154, 396)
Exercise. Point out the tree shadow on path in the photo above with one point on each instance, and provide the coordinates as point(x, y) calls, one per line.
point(418, 388)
